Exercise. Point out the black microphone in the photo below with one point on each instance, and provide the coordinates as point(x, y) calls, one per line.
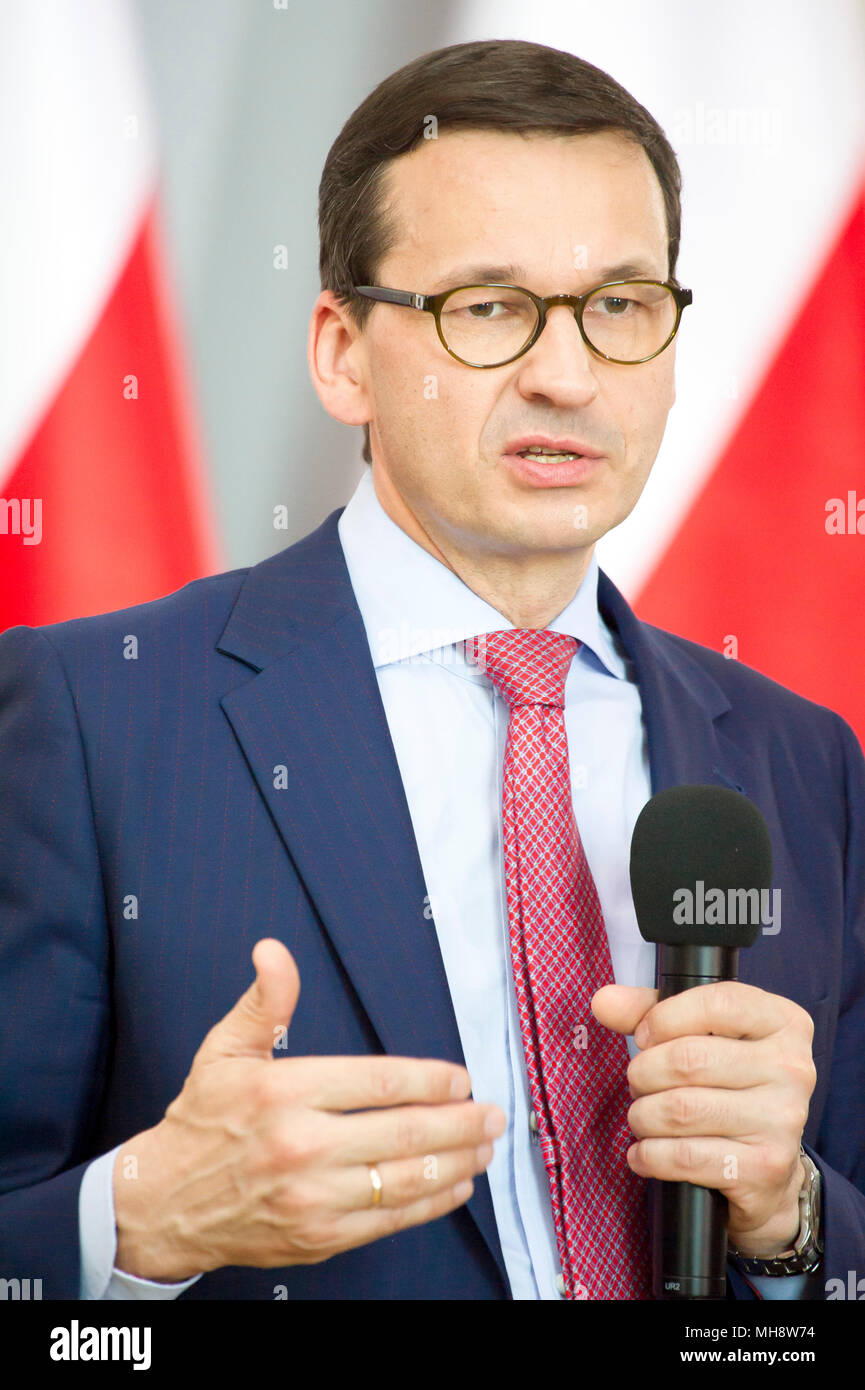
point(701, 865)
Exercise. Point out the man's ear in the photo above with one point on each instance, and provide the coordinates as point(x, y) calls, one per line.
point(337, 361)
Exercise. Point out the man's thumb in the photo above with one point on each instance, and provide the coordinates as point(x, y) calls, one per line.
point(261, 1016)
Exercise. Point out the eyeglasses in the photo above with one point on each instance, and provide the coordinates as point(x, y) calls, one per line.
point(481, 331)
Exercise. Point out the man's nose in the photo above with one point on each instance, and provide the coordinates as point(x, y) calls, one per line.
point(559, 365)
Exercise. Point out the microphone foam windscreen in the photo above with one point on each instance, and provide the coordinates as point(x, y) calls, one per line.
point(701, 867)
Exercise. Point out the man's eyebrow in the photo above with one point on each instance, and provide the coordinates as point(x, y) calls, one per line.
point(485, 274)
point(481, 274)
point(627, 270)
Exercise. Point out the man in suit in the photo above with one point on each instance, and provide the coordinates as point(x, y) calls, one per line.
point(305, 761)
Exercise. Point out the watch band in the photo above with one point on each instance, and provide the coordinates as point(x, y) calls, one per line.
point(806, 1254)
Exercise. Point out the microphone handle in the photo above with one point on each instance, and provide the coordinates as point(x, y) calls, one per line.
point(689, 1223)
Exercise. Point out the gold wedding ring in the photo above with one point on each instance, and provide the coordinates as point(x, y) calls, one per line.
point(376, 1184)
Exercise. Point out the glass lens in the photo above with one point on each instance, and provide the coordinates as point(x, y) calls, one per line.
point(629, 321)
point(486, 325)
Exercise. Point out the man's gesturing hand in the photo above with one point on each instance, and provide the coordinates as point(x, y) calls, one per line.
point(722, 1087)
point(256, 1162)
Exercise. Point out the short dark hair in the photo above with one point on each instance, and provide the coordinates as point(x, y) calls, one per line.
point(497, 84)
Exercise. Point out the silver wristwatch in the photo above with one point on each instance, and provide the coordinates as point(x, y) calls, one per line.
point(806, 1254)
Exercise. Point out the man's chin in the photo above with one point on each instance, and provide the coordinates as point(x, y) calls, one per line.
point(524, 536)
point(564, 519)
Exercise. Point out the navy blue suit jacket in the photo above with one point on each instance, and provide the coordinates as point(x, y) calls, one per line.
point(153, 778)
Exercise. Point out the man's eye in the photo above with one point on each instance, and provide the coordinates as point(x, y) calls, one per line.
point(615, 305)
point(484, 309)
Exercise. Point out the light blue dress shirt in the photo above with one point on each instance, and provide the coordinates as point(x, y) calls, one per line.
point(449, 727)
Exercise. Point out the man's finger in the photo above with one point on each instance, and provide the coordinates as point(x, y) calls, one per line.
point(701, 1110)
point(621, 1007)
point(699, 1060)
point(406, 1180)
point(263, 1012)
point(360, 1227)
point(727, 1008)
point(709, 1161)
point(413, 1130)
point(362, 1083)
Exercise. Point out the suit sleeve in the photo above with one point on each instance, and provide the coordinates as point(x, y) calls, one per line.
point(54, 968)
point(839, 1150)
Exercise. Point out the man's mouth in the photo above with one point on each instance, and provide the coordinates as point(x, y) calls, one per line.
point(562, 461)
point(548, 455)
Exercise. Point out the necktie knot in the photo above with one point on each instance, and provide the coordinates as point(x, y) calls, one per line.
point(527, 667)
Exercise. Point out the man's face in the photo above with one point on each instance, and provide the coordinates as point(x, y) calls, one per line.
point(555, 215)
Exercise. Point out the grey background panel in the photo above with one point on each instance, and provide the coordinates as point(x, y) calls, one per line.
point(248, 99)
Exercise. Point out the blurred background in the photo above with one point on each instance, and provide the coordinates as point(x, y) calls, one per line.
point(159, 166)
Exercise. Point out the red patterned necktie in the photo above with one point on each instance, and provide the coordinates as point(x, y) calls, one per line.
point(561, 955)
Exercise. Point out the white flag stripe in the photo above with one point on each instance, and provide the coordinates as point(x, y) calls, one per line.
point(764, 105)
point(77, 170)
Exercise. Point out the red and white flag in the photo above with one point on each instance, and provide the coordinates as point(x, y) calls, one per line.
point(750, 534)
point(102, 502)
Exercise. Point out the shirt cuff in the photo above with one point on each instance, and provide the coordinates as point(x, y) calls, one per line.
point(774, 1288)
point(100, 1279)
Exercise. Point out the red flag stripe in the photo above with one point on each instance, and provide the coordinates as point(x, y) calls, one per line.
point(124, 511)
point(753, 559)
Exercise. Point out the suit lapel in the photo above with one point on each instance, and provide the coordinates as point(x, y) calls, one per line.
point(314, 710)
point(681, 703)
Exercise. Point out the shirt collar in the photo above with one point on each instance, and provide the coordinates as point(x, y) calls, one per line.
point(412, 605)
